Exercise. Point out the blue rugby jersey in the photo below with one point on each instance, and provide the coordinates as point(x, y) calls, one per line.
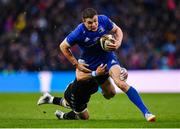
point(92, 53)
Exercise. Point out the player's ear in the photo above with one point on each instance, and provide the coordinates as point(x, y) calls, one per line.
point(83, 20)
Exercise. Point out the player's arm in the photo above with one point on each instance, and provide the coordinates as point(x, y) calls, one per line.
point(118, 34)
point(101, 70)
point(65, 48)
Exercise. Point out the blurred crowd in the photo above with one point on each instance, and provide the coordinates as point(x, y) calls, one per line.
point(31, 30)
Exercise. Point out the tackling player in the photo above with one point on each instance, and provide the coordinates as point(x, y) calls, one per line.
point(77, 95)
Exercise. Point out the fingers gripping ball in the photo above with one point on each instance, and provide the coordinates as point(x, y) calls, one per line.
point(105, 40)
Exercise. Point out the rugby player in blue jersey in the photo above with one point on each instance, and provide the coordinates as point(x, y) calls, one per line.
point(86, 36)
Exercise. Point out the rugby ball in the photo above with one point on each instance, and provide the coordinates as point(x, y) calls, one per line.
point(105, 40)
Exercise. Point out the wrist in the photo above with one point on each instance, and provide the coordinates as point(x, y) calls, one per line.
point(75, 65)
point(93, 74)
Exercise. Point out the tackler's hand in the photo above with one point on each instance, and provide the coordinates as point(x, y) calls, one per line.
point(101, 70)
point(124, 74)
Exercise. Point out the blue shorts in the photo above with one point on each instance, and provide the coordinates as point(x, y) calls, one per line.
point(109, 59)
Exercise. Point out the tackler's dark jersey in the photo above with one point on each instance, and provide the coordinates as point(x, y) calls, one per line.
point(78, 93)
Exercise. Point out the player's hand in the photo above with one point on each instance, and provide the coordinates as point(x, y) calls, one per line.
point(101, 70)
point(124, 74)
point(112, 46)
point(83, 67)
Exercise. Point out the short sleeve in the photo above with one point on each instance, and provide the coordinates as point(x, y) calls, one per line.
point(73, 37)
point(109, 23)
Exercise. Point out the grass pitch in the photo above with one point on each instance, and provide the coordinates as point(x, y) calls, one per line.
point(20, 110)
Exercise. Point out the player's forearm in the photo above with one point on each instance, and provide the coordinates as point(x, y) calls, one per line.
point(68, 54)
point(84, 76)
point(118, 35)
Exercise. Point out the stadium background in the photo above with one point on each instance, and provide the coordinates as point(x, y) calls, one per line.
point(30, 32)
point(31, 63)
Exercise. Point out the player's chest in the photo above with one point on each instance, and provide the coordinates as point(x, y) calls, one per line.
point(89, 39)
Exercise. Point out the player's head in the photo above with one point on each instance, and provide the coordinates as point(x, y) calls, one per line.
point(90, 19)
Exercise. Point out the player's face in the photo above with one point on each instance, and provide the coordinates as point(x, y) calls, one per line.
point(91, 23)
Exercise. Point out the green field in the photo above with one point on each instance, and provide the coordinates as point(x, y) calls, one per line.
point(20, 110)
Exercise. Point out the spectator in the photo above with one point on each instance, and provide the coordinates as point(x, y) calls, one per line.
point(30, 32)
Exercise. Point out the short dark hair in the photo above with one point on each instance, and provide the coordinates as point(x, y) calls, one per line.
point(89, 13)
